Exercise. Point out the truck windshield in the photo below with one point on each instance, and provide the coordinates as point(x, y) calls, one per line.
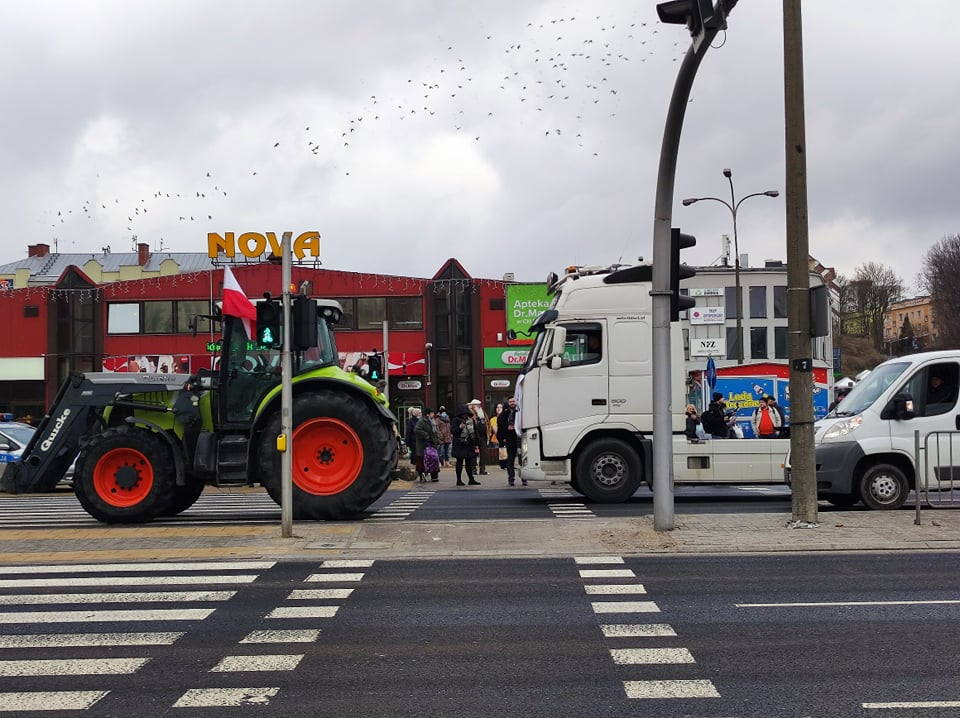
point(864, 394)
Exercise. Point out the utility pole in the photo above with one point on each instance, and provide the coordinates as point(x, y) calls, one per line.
point(803, 476)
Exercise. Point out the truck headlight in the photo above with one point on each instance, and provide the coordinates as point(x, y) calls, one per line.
point(842, 428)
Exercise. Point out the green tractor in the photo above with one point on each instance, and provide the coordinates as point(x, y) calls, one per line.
point(146, 444)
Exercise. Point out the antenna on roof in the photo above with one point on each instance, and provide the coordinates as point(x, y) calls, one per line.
point(133, 243)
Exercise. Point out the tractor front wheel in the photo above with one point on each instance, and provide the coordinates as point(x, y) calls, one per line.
point(125, 475)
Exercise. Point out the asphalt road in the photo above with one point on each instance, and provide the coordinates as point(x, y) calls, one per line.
point(443, 503)
point(849, 634)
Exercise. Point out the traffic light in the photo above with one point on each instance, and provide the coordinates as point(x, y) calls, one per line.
point(304, 320)
point(695, 14)
point(269, 320)
point(375, 363)
point(679, 272)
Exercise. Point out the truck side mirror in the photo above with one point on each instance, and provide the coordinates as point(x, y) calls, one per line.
point(511, 334)
point(900, 407)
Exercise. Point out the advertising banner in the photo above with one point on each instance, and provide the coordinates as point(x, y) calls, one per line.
point(503, 358)
point(525, 302)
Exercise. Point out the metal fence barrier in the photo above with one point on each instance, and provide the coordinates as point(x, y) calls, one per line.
point(937, 470)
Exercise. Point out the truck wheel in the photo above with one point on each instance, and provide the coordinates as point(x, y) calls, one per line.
point(344, 454)
point(884, 486)
point(125, 475)
point(184, 497)
point(608, 471)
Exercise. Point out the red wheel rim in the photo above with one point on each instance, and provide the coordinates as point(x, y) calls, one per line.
point(123, 477)
point(327, 456)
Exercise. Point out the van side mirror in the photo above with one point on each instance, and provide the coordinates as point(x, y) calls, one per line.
point(899, 407)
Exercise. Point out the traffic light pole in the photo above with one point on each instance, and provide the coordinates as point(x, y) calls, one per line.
point(286, 396)
point(663, 510)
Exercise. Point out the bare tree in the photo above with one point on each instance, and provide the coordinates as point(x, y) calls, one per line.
point(939, 278)
point(874, 288)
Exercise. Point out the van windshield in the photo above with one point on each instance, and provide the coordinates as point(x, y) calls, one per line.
point(864, 394)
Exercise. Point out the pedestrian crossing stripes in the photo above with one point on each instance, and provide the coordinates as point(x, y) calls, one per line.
point(558, 501)
point(630, 642)
point(103, 651)
point(311, 604)
point(402, 507)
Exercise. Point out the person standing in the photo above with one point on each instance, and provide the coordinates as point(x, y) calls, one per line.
point(692, 422)
point(765, 421)
point(783, 432)
point(466, 445)
point(714, 418)
point(409, 437)
point(446, 437)
point(426, 435)
point(480, 419)
point(507, 438)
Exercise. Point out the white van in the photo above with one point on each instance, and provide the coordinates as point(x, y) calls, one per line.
point(865, 448)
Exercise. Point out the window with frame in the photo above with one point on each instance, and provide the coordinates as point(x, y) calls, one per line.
point(758, 302)
point(189, 311)
point(584, 344)
point(371, 311)
point(349, 319)
point(780, 346)
point(780, 302)
point(123, 318)
point(732, 343)
point(405, 312)
point(758, 342)
point(730, 302)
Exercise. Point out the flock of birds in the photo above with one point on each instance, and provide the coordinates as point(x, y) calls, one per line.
point(562, 80)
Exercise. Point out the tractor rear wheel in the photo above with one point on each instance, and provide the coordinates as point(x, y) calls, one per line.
point(125, 475)
point(344, 453)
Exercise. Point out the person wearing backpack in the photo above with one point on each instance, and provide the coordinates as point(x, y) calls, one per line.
point(766, 420)
point(466, 445)
point(714, 418)
point(426, 436)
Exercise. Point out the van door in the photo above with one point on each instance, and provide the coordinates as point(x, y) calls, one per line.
point(933, 388)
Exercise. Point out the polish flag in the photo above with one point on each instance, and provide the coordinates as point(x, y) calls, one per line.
point(235, 302)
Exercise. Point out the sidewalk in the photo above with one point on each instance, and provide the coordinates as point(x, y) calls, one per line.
point(714, 533)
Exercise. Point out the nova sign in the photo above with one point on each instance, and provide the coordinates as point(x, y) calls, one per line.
point(255, 244)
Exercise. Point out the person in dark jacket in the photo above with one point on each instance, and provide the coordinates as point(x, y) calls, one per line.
point(507, 438)
point(693, 420)
point(410, 438)
point(466, 445)
point(425, 433)
point(714, 418)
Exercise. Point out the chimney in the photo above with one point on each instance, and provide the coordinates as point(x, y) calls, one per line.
point(143, 253)
point(38, 250)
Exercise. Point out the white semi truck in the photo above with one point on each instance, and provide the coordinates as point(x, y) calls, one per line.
point(586, 396)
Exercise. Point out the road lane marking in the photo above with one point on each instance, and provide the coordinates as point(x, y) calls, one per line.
point(144, 597)
point(809, 604)
point(332, 577)
point(303, 612)
point(160, 614)
point(671, 689)
point(322, 594)
point(141, 567)
point(607, 573)
point(644, 656)
point(85, 640)
point(642, 630)
point(913, 704)
point(49, 701)
point(277, 662)
point(76, 581)
point(625, 607)
point(225, 697)
point(72, 667)
point(298, 636)
point(614, 588)
point(597, 559)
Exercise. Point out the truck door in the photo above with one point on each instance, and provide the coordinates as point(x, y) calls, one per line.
point(934, 390)
point(575, 395)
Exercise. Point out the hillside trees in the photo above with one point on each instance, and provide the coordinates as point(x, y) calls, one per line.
point(940, 278)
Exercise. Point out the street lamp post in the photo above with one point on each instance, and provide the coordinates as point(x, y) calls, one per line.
point(733, 205)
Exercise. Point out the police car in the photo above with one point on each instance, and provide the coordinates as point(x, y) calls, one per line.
point(14, 436)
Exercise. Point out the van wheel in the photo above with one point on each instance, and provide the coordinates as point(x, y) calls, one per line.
point(608, 471)
point(884, 486)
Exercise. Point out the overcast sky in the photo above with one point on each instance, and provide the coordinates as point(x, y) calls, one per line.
point(517, 136)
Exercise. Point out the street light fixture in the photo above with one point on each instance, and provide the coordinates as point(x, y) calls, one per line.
point(733, 205)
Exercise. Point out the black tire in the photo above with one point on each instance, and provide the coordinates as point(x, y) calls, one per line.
point(608, 471)
point(344, 456)
point(184, 497)
point(884, 486)
point(125, 475)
